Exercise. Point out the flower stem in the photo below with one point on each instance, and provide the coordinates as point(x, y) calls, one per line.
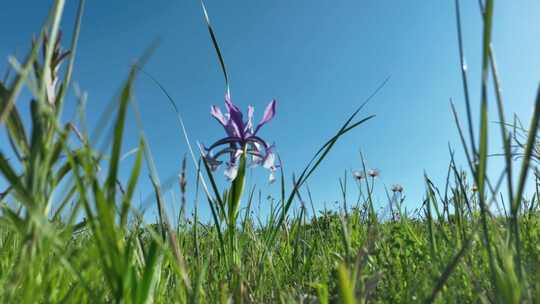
point(234, 197)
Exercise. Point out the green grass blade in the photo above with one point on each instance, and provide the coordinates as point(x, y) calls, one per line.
point(216, 47)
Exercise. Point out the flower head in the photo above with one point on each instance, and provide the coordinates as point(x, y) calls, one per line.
point(373, 173)
point(241, 138)
point(397, 188)
point(358, 175)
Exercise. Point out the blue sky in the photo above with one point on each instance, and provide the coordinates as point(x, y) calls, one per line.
point(319, 59)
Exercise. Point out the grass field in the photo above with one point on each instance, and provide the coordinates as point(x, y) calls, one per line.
point(70, 230)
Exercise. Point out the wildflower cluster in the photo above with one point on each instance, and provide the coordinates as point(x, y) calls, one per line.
point(359, 175)
point(373, 173)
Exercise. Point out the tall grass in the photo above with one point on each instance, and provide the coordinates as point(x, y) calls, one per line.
point(70, 231)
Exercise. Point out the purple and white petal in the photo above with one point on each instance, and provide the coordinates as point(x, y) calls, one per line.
point(236, 116)
point(232, 129)
point(224, 151)
point(373, 173)
point(269, 113)
point(256, 153)
point(224, 141)
point(257, 146)
point(257, 160)
point(216, 113)
point(272, 177)
point(212, 162)
point(231, 171)
point(249, 123)
point(237, 153)
point(269, 161)
point(257, 140)
point(358, 175)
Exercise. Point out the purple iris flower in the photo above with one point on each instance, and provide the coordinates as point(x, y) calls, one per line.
point(241, 138)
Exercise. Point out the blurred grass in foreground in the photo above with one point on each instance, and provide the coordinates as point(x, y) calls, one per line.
point(467, 243)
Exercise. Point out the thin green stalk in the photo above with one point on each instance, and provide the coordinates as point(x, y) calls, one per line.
point(483, 152)
point(533, 130)
point(463, 66)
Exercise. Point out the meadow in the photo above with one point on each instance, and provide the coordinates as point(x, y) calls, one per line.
point(71, 230)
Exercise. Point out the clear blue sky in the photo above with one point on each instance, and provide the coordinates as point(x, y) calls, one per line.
point(319, 59)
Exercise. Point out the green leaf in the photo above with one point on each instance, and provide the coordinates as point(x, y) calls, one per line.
point(126, 202)
point(346, 290)
point(14, 180)
point(15, 127)
point(150, 275)
point(118, 135)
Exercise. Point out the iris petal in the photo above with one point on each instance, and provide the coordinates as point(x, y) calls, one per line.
point(269, 161)
point(236, 120)
point(225, 151)
point(212, 162)
point(249, 124)
point(231, 171)
point(216, 113)
point(272, 177)
point(269, 113)
point(223, 141)
point(257, 140)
